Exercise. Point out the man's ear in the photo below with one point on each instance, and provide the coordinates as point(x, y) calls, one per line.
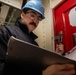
point(22, 15)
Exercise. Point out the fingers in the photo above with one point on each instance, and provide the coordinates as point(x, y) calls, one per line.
point(60, 46)
point(66, 72)
point(65, 69)
point(60, 49)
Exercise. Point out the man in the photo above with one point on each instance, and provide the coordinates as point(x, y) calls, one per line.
point(32, 13)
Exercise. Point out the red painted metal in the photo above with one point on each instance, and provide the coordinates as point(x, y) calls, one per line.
point(61, 22)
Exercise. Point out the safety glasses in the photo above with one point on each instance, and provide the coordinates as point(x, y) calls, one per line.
point(33, 15)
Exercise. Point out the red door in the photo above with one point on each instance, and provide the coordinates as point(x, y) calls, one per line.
point(65, 22)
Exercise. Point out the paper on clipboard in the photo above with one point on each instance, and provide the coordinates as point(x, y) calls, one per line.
point(71, 54)
point(20, 52)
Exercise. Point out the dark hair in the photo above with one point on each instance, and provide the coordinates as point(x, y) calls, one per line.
point(25, 10)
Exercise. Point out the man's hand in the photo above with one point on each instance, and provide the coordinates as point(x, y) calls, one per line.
point(65, 69)
point(60, 49)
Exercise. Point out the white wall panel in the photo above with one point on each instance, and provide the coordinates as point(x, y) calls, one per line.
point(3, 14)
point(15, 3)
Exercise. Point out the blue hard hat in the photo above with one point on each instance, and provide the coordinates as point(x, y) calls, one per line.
point(35, 5)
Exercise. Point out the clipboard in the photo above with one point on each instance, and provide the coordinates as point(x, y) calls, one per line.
point(19, 51)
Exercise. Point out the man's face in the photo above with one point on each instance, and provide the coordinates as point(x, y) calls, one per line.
point(31, 18)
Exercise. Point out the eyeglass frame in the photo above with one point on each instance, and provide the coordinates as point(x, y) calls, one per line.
point(33, 15)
